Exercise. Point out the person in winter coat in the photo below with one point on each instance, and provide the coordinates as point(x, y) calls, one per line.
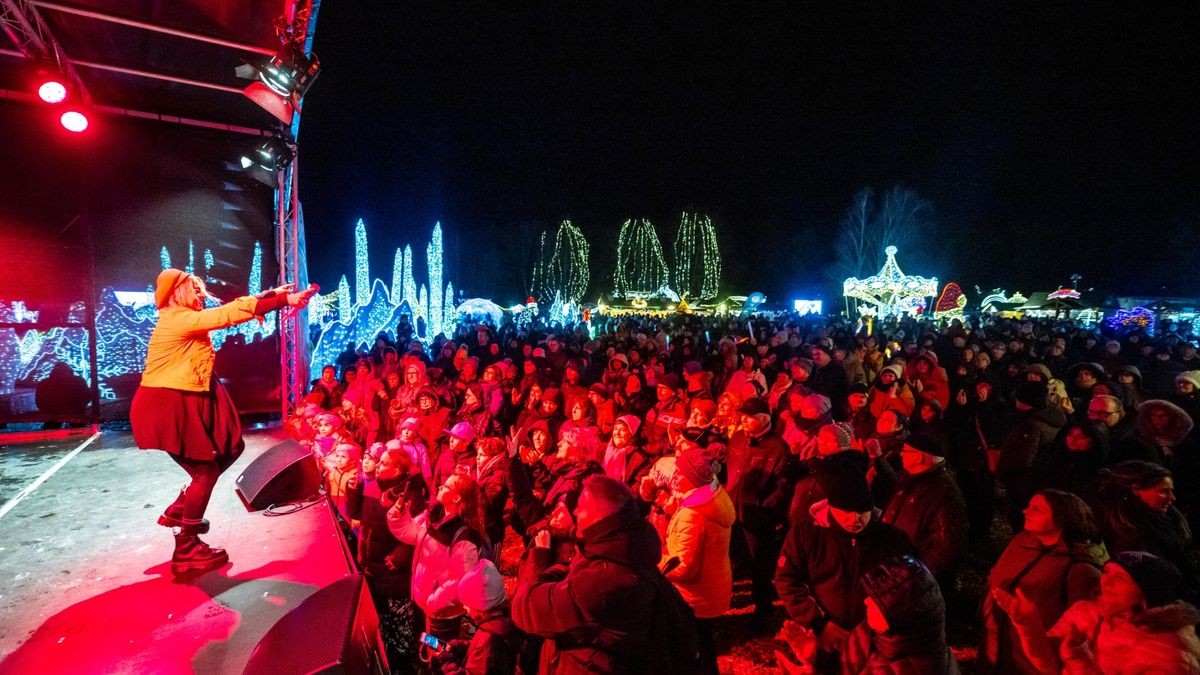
point(890, 392)
point(761, 475)
point(623, 459)
point(1033, 432)
point(976, 425)
point(1130, 379)
point(1136, 512)
point(491, 472)
point(595, 614)
point(1073, 462)
point(457, 456)
point(497, 641)
point(904, 632)
point(825, 555)
point(448, 541)
point(1055, 561)
point(696, 557)
point(386, 562)
point(1138, 624)
point(829, 379)
point(1187, 393)
point(432, 417)
point(929, 379)
point(928, 508)
point(748, 381)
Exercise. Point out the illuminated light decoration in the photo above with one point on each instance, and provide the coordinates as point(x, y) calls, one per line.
point(343, 302)
point(476, 310)
point(892, 292)
point(1135, 319)
point(951, 303)
point(410, 285)
point(435, 312)
point(807, 306)
point(75, 121)
point(397, 294)
point(1064, 293)
point(554, 318)
point(564, 267)
point(431, 314)
point(322, 306)
point(639, 303)
point(641, 270)
point(52, 91)
point(362, 271)
point(450, 316)
point(697, 272)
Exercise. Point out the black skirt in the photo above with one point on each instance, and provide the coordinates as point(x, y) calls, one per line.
point(200, 425)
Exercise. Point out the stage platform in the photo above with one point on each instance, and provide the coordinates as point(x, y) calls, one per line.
point(85, 584)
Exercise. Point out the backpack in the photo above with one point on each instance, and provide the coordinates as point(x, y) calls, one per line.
point(673, 644)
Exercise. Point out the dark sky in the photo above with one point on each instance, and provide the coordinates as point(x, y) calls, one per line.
point(1049, 141)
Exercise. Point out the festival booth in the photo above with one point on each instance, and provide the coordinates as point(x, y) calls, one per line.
point(1066, 303)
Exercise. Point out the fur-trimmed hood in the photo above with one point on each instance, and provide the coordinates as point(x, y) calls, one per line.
point(1181, 423)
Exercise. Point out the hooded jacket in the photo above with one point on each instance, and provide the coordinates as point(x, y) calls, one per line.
point(597, 616)
point(821, 564)
point(698, 536)
point(445, 549)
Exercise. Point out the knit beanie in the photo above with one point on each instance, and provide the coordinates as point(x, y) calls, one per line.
point(840, 432)
point(168, 280)
point(696, 464)
point(1159, 579)
point(847, 489)
point(905, 591)
point(894, 369)
point(482, 588)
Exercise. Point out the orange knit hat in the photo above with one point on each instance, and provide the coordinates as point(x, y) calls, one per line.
point(168, 281)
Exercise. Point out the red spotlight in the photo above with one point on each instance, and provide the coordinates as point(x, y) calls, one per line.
point(74, 121)
point(52, 91)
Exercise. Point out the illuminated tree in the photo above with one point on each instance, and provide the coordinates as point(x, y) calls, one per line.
point(697, 258)
point(362, 274)
point(563, 267)
point(641, 270)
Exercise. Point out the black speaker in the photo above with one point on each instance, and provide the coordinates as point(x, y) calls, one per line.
point(285, 473)
point(335, 630)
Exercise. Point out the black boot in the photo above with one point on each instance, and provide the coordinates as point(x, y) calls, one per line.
point(193, 556)
point(173, 516)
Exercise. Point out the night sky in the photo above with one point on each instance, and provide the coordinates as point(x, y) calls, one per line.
point(1049, 143)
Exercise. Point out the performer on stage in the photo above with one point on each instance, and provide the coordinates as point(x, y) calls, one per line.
point(182, 408)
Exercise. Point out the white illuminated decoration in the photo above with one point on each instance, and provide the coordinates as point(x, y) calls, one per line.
point(430, 306)
point(641, 269)
point(480, 309)
point(891, 292)
point(1064, 293)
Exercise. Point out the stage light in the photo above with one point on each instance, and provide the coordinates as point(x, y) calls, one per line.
point(74, 121)
point(52, 91)
point(290, 72)
point(273, 154)
point(281, 83)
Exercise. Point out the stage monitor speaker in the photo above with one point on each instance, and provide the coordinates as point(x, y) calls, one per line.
point(285, 473)
point(335, 630)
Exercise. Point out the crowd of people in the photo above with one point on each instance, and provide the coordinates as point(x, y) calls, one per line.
point(849, 471)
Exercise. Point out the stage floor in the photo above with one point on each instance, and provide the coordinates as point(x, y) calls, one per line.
point(85, 582)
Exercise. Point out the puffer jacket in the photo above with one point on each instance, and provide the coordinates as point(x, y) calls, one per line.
point(1158, 640)
point(698, 536)
point(1032, 432)
point(819, 570)
point(1052, 577)
point(596, 617)
point(929, 508)
point(445, 548)
point(915, 642)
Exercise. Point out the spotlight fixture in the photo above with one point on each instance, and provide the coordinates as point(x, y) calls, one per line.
point(281, 83)
point(52, 90)
point(273, 154)
point(74, 120)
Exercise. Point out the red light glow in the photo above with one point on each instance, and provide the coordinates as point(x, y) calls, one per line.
point(74, 121)
point(52, 91)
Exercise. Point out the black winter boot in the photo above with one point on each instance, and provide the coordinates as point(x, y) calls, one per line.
point(173, 516)
point(193, 556)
